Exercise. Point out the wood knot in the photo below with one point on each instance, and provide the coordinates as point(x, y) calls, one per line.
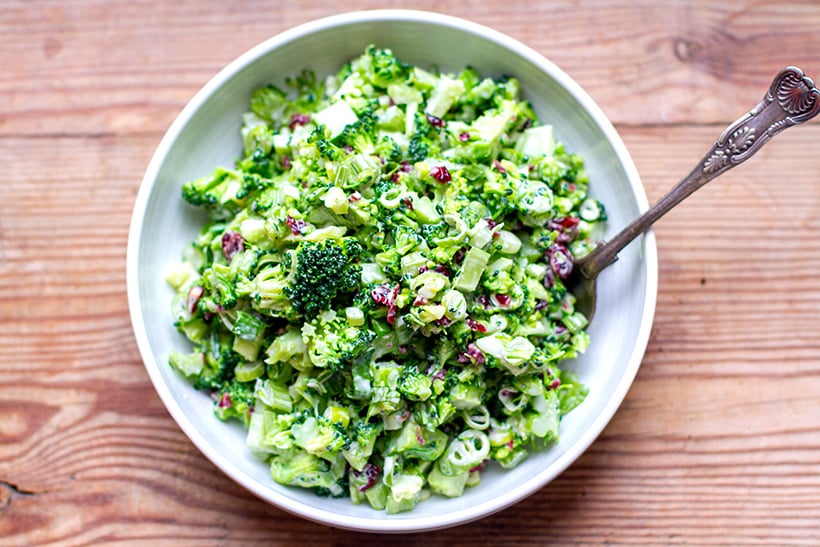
point(686, 50)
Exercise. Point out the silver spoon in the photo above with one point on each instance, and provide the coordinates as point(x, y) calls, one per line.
point(792, 99)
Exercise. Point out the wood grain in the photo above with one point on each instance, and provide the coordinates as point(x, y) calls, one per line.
point(717, 442)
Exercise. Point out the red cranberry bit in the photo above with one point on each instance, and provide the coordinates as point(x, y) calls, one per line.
point(567, 228)
point(442, 269)
point(443, 322)
point(435, 122)
point(484, 300)
point(386, 295)
point(419, 301)
point(406, 166)
point(296, 225)
point(477, 468)
point(511, 445)
point(458, 258)
point(225, 401)
point(371, 472)
point(498, 166)
point(502, 299)
point(555, 383)
point(441, 174)
point(464, 136)
point(475, 325)
point(549, 279)
point(560, 260)
point(475, 354)
point(347, 148)
point(298, 119)
point(395, 176)
point(286, 162)
point(194, 294)
point(541, 305)
point(232, 244)
point(423, 269)
point(409, 203)
point(419, 436)
point(355, 196)
point(490, 223)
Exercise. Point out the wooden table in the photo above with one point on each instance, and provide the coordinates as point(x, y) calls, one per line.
point(718, 441)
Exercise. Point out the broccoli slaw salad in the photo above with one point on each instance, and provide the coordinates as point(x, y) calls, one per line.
point(378, 293)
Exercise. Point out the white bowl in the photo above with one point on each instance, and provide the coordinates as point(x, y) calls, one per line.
point(205, 135)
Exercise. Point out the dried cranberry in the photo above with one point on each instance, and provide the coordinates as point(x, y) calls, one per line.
point(441, 174)
point(560, 260)
point(409, 203)
point(477, 468)
point(442, 269)
point(347, 148)
point(420, 437)
point(296, 225)
point(484, 300)
point(194, 294)
point(298, 119)
point(371, 473)
point(549, 279)
point(406, 166)
point(475, 325)
point(475, 354)
point(458, 258)
point(435, 121)
point(286, 162)
point(419, 301)
point(225, 401)
point(555, 383)
point(386, 295)
point(490, 223)
point(355, 196)
point(443, 322)
point(566, 227)
point(498, 166)
point(541, 305)
point(464, 136)
point(232, 244)
point(502, 299)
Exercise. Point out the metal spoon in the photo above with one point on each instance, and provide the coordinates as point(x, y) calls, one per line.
point(791, 99)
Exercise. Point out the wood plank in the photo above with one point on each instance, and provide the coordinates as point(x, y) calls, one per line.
point(120, 67)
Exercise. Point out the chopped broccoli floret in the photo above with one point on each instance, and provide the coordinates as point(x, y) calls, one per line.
point(324, 270)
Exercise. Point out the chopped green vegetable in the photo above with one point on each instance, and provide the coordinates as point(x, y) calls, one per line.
point(378, 294)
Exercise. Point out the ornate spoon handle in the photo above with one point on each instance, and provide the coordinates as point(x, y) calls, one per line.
point(791, 99)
